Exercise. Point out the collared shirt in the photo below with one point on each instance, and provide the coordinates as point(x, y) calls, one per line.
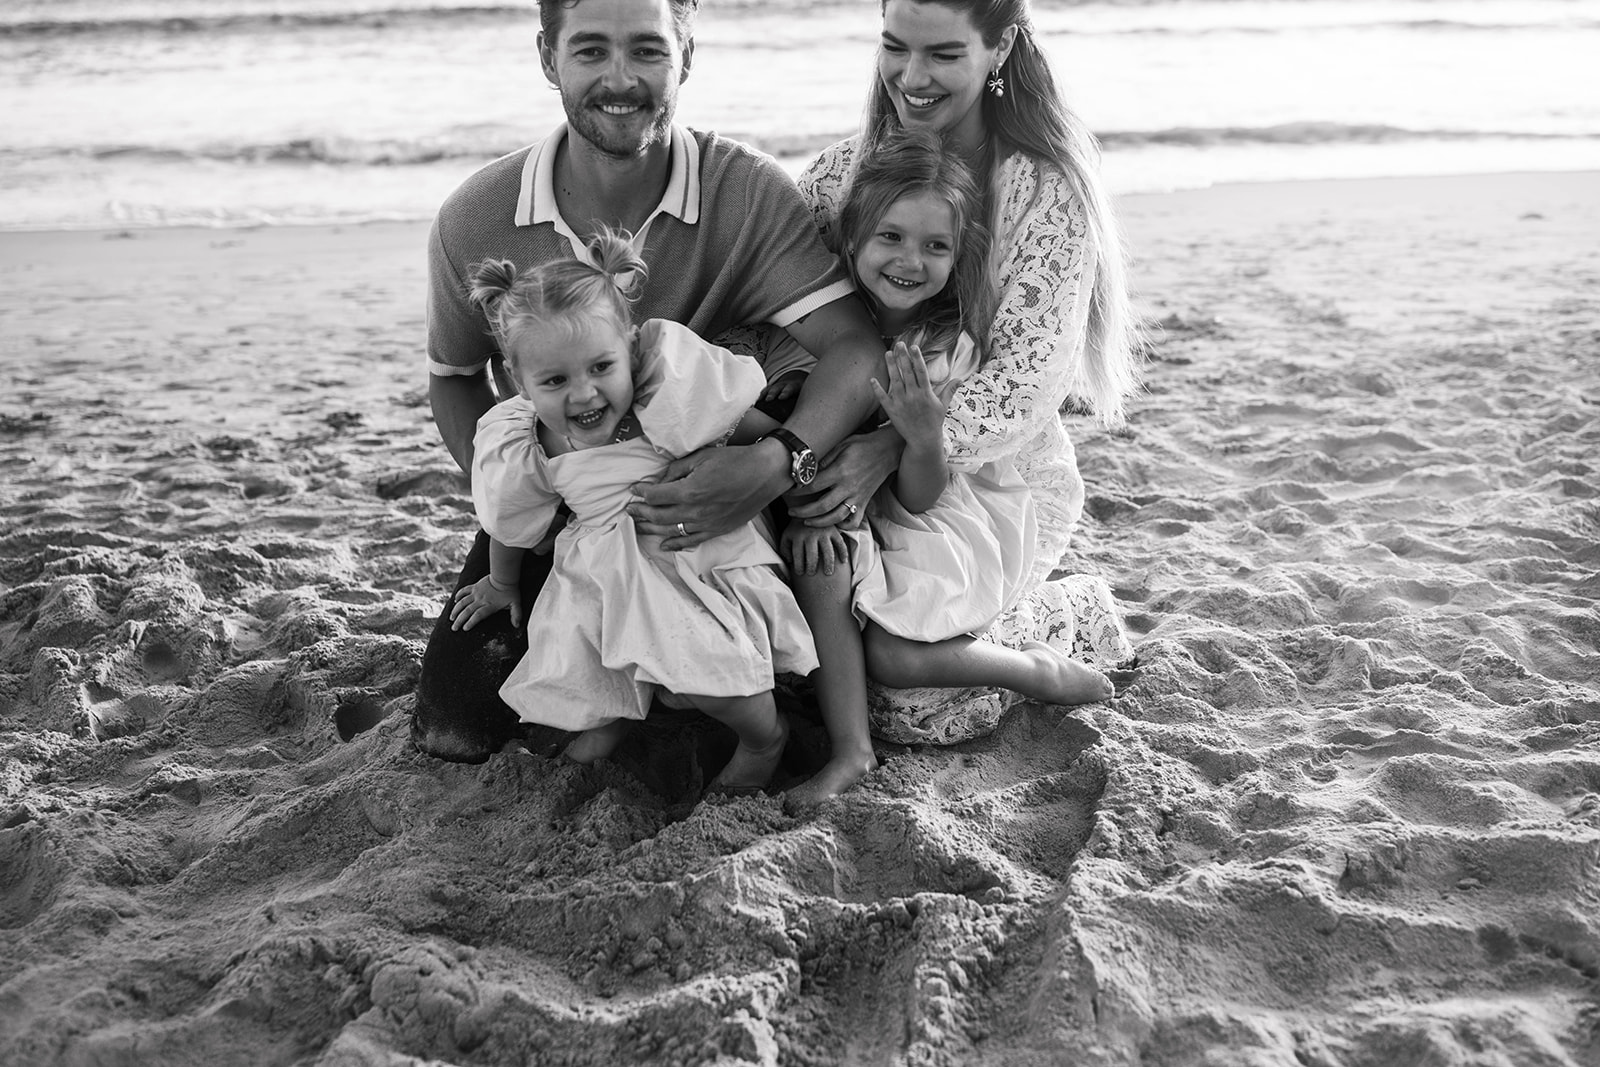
point(730, 243)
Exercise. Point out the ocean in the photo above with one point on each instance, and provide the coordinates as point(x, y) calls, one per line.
point(137, 113)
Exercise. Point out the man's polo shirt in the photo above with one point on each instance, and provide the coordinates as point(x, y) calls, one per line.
point(731, 243)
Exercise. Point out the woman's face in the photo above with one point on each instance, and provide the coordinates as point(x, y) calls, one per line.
point(934, 65)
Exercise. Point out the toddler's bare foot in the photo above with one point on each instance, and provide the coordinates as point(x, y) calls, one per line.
point(752, 766)
point(598, 742)
point(839, 775)
point(1059, 680)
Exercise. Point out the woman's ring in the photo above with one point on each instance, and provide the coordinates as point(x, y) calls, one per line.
point(851, 508)
point(681, 531)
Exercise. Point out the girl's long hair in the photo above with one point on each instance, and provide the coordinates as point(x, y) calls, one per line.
point(907, 163)
point(1033, 118)
point(561, 291)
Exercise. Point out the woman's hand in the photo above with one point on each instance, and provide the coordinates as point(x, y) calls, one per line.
point(913, 407)
point(710, 492)
point(481, 599)
point(849, 477)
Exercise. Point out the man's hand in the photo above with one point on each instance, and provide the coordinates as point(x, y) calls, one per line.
point(809, 549)
point(481, 599)
point(709, 492)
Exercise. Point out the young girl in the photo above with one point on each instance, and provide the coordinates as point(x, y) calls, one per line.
point(603, 405)
point(945, 551)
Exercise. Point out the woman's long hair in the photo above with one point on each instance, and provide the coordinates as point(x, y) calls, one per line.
point(906, 163)
point(1033, 118)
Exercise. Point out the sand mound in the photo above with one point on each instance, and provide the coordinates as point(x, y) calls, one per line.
point(1349, 814)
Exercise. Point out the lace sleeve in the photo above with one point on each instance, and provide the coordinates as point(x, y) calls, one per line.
point(1046, 276)
point(822, 184)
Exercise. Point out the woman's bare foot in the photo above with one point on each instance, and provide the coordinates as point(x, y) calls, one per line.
point(1059, 680)
point(752, 766)
point(599, 742)
point(839, 775)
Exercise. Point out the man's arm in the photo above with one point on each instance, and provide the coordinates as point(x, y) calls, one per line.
point(838, 394)
point(714, 490)
point(458, 401)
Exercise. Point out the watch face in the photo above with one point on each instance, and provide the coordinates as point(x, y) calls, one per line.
point(804, 467)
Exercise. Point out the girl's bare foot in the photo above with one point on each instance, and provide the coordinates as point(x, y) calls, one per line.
point(839, 775)
point(598, 742)
point(1059, 680)
point(752, 766)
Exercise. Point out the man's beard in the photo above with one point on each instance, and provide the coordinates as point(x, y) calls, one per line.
point(594, 126)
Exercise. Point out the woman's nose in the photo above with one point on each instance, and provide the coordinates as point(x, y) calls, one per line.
point(915, 74)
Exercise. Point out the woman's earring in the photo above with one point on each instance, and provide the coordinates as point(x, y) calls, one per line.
point(997, 84)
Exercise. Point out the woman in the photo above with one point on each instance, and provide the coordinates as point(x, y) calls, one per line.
point(1062, 328)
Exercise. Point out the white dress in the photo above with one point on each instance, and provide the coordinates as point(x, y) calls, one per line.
point(1010, 408)
point(620, 617)
point(956, 567)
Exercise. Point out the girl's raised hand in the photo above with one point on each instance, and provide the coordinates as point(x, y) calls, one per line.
point(481, 599)
point(913, 407)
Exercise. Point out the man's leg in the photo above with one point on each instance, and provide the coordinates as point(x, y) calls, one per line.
point(460, 716)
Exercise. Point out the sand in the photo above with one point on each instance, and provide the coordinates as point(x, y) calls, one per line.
point(1348, 815)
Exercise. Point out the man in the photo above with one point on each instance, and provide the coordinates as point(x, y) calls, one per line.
point(728, 240)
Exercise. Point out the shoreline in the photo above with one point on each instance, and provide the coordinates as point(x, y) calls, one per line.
point(1306, 184)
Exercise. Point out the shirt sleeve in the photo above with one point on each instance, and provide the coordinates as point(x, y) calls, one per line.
point(459, 341)
point(510, 487)
point(689, 393)
point(785, 271)
point(1046, 278)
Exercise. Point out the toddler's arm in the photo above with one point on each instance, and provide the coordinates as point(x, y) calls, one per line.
point(753, 427)
point(500, 589)
point(917, 412)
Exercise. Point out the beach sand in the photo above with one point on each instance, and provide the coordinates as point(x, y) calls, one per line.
point(1348, 815)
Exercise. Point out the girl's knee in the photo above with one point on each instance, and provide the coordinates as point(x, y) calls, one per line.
point(888, 658)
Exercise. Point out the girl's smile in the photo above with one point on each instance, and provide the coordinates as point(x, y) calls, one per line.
point(907, 258)
point(578, 373)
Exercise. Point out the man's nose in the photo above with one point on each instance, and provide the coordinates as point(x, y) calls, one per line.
point(619, 73)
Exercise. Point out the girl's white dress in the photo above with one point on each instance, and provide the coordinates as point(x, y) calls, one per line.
point(955, 568)
point(1010, 408)
point(618, 616)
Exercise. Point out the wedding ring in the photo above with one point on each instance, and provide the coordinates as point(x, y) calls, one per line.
point(851, 508)
point(681, 531)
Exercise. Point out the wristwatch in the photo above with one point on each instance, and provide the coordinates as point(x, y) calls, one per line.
point(802, 461)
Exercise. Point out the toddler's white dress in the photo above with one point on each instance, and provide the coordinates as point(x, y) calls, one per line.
point(618, 616)
point(955, 568)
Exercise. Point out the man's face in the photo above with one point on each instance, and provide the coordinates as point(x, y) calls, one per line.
point(618, 64)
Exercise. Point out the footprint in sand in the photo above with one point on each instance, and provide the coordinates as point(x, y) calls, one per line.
point(434, 483)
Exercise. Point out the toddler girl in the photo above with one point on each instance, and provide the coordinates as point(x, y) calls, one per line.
point(944, 551)
point(603, 405)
